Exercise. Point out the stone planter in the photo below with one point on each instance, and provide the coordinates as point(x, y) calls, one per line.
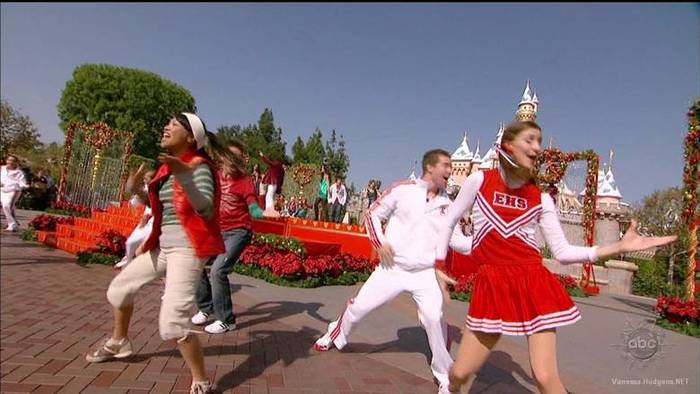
point(614, 278)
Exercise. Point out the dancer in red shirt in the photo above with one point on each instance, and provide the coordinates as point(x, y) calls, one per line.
point(238, 205)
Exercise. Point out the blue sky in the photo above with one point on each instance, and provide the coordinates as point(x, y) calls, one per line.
point(393, 79)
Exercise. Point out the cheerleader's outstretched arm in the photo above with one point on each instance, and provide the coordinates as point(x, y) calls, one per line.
point(461, 205)
point(567, 254)
point(554, 236)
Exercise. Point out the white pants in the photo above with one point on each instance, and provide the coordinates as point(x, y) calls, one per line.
point(182, 270)
point(8, 200)
point(384, 285)
point(137, 237)
point(270, 197)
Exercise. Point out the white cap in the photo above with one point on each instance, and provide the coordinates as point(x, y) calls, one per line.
point(197, 129)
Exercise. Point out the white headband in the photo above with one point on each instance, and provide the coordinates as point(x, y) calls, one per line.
point(197, 129)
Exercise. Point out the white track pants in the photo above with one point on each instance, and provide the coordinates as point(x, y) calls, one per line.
point(8, 200)
point(383, 286)
point(270, 197)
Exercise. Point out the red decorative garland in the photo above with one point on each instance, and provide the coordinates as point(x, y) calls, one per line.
point(98, 135)
point(690, 215)
point(556, 164)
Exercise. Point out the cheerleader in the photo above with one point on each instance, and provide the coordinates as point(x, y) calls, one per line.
point(514, 294)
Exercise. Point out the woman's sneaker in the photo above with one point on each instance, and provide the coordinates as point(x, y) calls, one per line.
point(110, 350)
point(219, 327)
point(200, 387)
point(200, 318)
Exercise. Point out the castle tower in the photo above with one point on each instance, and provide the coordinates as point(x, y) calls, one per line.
point(476, 160)
point(490, 158)
point(527, 108)
point(462, 161)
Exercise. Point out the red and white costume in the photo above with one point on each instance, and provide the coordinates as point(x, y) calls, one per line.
point(412, 230)
point(514, 293)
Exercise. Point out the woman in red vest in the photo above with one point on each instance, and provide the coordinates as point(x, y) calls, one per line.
point(184, 197)
point(514, 293)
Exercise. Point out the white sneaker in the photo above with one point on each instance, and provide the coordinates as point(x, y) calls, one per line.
point(219, 327)
point(444, 389)
point(200, 318)
point(121, 263)
point(325, 343)
point(200, 387)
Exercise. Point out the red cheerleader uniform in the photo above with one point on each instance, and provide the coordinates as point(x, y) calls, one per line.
point(514, 293)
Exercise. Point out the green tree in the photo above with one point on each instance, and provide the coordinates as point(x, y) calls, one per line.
point(48, 157)
point(336, 156)
point(311, 152)
point(263, 137)
point(17, 132)
point(229, 132)
point(126, 99)
point(660, 213)
point(315, 152)
point(299, 152)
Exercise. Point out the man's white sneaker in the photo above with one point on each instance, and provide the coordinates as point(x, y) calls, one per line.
point(219, 327)
point(200, 318)
point(325, 342)
point(121, 263)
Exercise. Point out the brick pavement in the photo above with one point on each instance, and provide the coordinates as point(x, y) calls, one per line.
point(53, 311)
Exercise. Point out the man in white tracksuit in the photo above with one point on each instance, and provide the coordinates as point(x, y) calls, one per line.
point(415, 211)
point(12, 181)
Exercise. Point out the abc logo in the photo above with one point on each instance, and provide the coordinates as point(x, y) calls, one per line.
point(642, 343)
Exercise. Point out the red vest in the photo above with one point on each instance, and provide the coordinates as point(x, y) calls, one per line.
point(203, 233)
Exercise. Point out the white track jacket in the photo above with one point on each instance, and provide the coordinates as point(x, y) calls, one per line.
point(413, 224)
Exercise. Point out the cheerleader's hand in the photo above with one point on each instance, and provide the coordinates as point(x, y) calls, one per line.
point(444, 280)
point(386, 252)
point(632, 241)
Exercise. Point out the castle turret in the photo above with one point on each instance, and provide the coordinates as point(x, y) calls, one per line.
point(490, 158)
point(527, 108)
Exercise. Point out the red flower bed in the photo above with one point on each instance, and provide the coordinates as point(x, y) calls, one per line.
point(676, 310)
point(46, 222)
point(465, 284)
point(567, 281)
point(290, 264)
point(112, 243)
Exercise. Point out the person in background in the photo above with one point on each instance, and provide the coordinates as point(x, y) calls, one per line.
point(12, 182)
point(321, 203)
point(337, 196)
point(274, 179)
point(143, 229)
point(238, 207)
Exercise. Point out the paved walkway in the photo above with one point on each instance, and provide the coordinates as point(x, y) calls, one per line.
point(53, 311)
